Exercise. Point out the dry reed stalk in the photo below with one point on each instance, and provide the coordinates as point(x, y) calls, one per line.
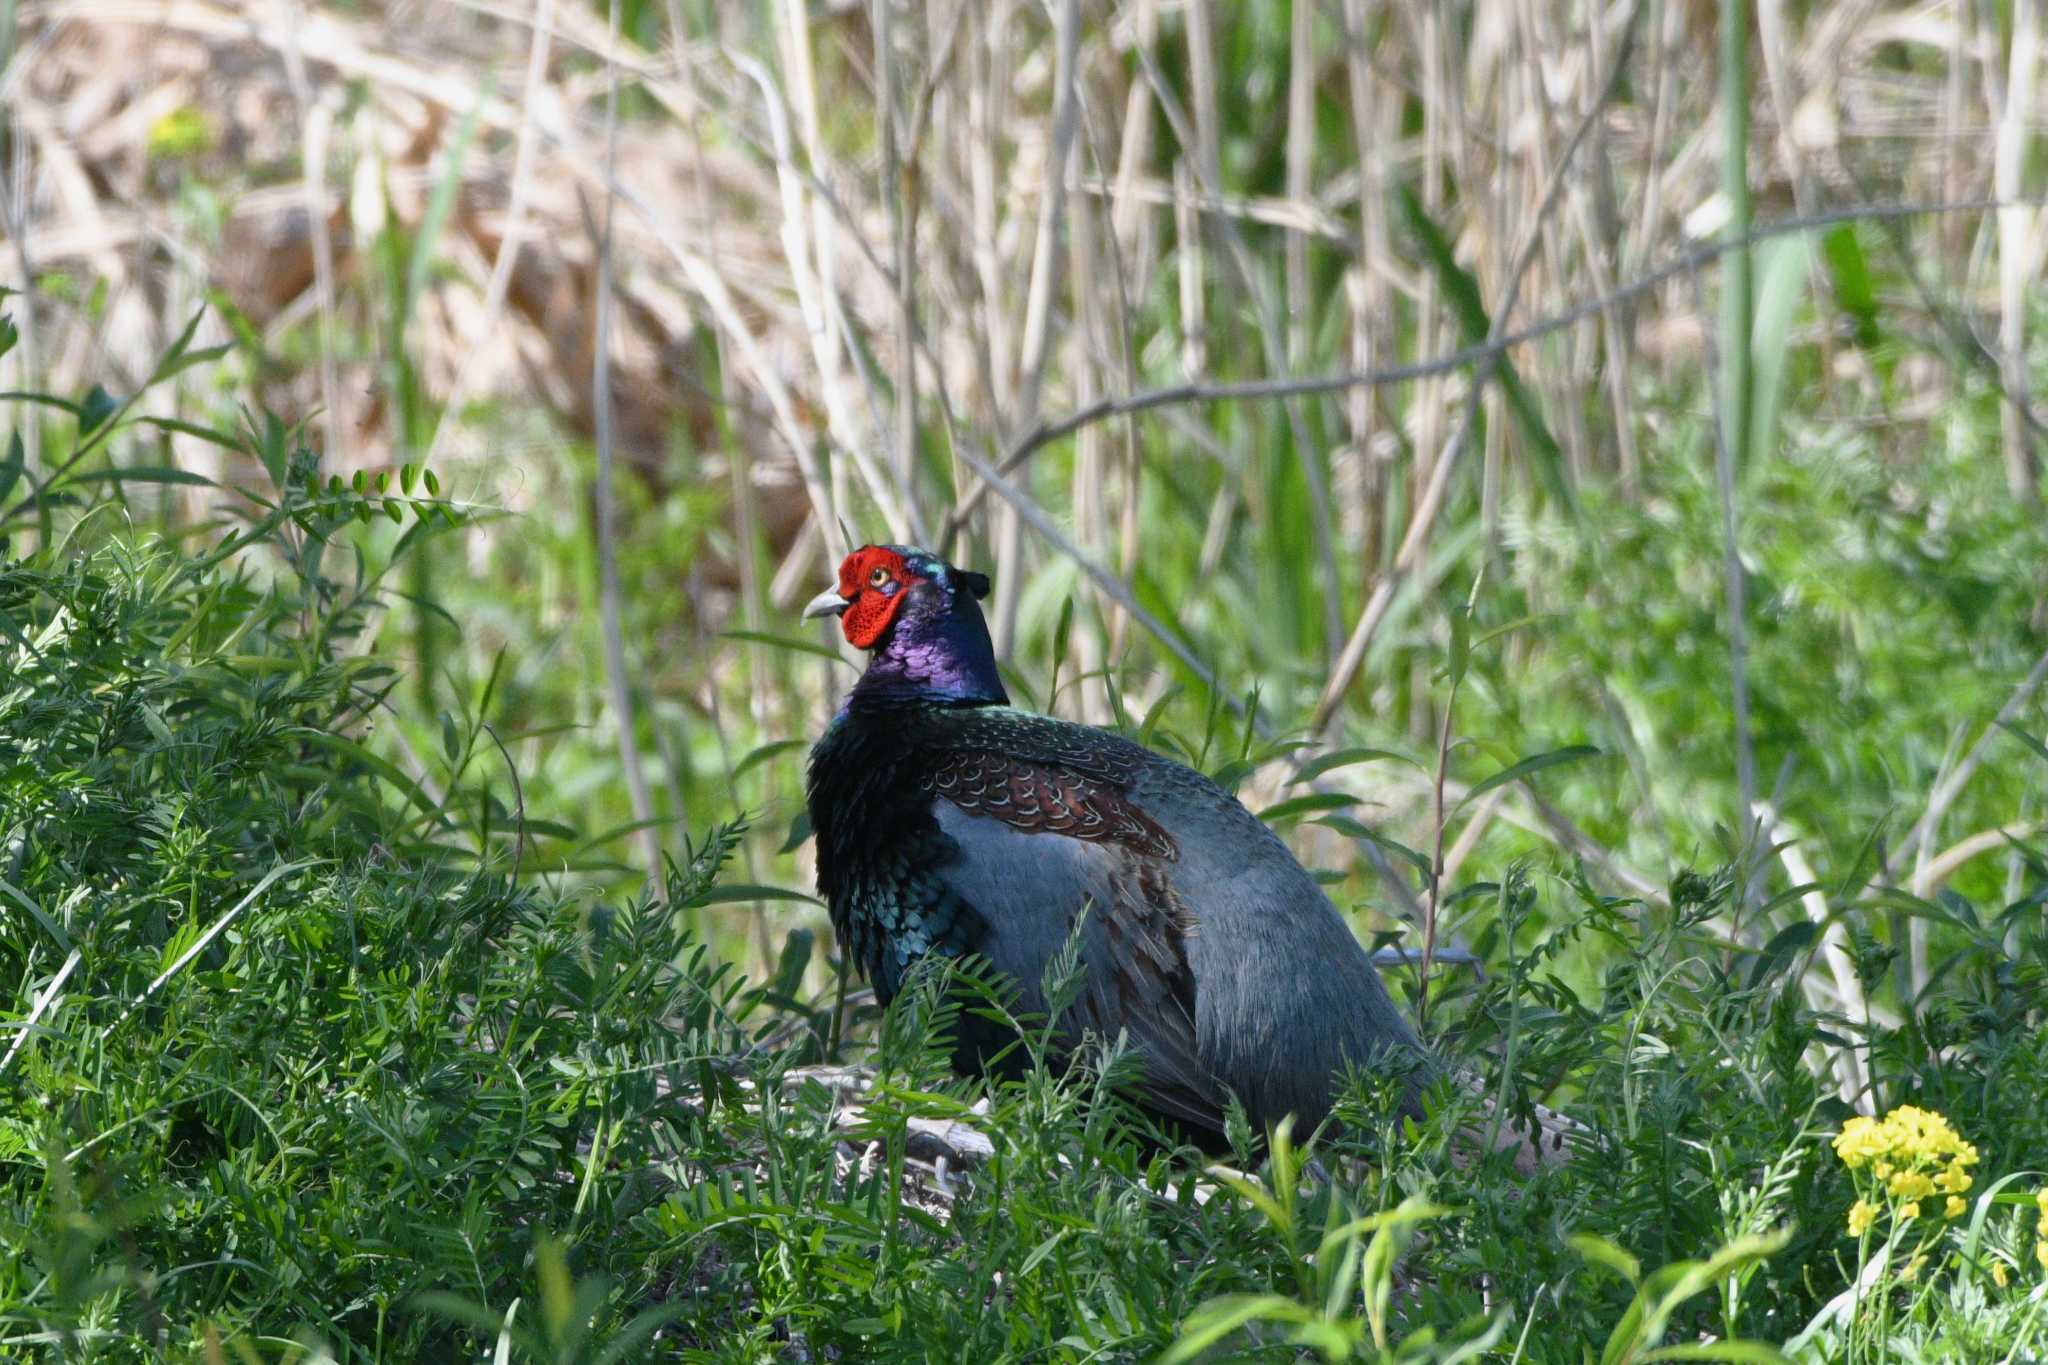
point(523, 156)
point(1197, 128)
point(899, 196)
point(988, 110)
point(1423, 520)
point(1091, 457)
point(2018, 258)
point(604, 496)
point(1301, 156)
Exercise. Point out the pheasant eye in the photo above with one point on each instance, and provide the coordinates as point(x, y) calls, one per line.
point(879, 578)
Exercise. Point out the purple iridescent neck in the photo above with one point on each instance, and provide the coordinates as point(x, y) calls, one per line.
point(941, 657)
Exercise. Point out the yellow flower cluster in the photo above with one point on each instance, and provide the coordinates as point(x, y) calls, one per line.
point(2041, 1227)
point(1911, 1154)
point(1905, 1139)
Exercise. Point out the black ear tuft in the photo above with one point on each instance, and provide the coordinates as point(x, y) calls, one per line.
point(976, 583)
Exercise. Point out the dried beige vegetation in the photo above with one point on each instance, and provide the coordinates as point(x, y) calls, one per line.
point(766, 204)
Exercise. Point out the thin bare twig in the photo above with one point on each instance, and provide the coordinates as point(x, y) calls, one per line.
point(1024, 446)
point(2017, 262)
point(1434, 903)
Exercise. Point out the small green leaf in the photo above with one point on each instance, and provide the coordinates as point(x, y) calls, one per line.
point(1155, 713)
point(1219, 1317)
point(97, 407)
point(1039, 1253)
point(1850, 272)
point(765, 752)
point(12, 464)
point(1230, 774)
point(1793, 938)
point(1743, 1352)
point(1782, 274)
point(742, 892)
point(761, 637)
point(2023, 737)
point(1294, 807)
point(406, 475)
point(1602, 1252)
point(799, 830)
point(433, 482)
point(139, 474)
point(1535, 618)
point(1344, 758)
point(1353, 829)
point(790, 965)
point(1528, 766)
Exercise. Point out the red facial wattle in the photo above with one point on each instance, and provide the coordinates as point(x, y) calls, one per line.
point(874, 581)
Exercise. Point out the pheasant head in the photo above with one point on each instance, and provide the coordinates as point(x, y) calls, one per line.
point(919, 619)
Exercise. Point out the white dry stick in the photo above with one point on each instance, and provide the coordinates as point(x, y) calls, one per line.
point(1929, 876)
point(2016, 221)
point(1091, 454)
point(35, 1013)
point(213, 932)
point(1052, 205)
point(1834, 951)
point(1135, 152)
point(1301, 154)
point(16, 210)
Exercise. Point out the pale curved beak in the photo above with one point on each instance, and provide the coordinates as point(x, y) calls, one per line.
point(826, 603)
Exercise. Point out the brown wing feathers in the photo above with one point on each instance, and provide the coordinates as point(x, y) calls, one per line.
point(1045, 799)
